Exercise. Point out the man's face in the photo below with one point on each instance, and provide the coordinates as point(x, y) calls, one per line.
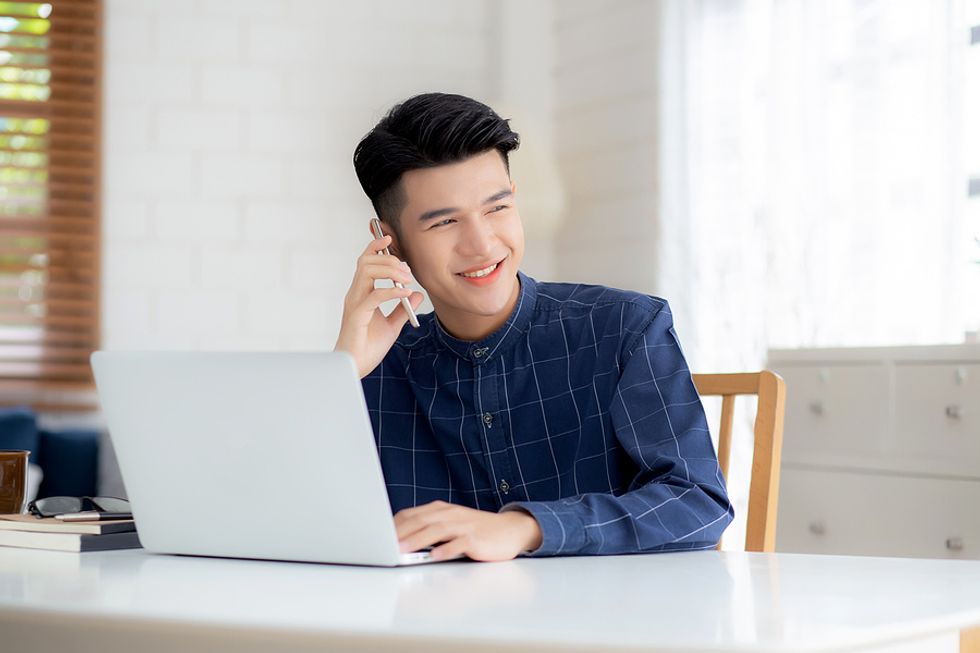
point(460, 219)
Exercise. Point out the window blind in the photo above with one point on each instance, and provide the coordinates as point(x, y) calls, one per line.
point(50, 129)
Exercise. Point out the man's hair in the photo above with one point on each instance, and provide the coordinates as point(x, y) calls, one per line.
point(425, 131)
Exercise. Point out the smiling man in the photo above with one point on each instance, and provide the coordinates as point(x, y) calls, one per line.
point(520, 417)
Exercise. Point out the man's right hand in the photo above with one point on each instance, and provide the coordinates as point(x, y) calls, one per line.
point(365, 333)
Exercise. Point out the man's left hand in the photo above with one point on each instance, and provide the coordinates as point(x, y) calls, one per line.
point(458, 530)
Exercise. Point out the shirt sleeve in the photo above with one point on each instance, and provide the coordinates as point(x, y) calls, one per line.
point(677, 499)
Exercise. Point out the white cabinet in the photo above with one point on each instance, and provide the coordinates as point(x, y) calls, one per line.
point(870, 514)
point(881, 451)
point(833, 411)
point(937, 417)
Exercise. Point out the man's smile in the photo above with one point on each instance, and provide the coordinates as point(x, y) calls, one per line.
point(483, 275)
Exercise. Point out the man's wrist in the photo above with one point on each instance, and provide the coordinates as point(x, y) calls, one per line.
point(530, 529)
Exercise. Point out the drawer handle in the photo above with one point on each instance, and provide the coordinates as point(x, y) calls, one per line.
point(961, 375)
point(954, 543)
point(954, 411)
point(819, 528)
point(816, 407)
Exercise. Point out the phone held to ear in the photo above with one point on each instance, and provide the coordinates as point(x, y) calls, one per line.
point(378, 233)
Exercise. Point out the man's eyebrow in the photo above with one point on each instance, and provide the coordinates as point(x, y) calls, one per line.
point(436, 213)
point(498, 196)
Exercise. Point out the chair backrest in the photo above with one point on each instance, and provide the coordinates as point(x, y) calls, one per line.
point(760, 532)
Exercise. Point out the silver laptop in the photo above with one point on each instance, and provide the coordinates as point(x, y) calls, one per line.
point(249, 455)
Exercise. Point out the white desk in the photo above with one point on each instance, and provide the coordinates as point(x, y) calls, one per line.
point(705, 601)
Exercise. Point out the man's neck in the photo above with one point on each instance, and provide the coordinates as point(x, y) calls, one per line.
point(471, 327)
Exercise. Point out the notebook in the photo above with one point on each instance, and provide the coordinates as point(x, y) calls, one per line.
point(78, 542)
point(52, 525)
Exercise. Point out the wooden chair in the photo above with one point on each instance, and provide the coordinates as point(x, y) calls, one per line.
point(760, 532)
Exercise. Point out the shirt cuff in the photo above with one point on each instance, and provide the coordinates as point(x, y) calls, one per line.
point(562, 531)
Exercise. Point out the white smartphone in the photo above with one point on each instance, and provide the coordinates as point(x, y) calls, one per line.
point(378, 233)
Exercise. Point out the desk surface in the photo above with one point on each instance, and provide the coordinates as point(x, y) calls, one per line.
point(701, 601)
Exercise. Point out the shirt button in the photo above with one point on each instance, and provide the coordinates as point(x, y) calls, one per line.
point(488, 419)
point(504, 487)
point(480, 351)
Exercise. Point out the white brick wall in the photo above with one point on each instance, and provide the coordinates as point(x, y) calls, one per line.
point(216, 129)
point(232, 215)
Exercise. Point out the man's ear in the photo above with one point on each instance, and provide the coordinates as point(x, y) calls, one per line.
point(394, 247)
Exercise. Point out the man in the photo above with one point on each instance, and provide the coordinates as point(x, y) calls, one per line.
point(521, 417)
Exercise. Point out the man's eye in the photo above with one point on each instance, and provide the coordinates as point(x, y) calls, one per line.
point(442, 222)
point(499, 207)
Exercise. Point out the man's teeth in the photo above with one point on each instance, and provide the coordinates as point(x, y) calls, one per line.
point(480, 273)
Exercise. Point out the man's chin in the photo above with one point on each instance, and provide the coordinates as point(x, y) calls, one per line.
point(483, 307)
point(492, 307)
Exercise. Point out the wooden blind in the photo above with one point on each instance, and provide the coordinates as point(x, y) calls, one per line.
point(50, 132)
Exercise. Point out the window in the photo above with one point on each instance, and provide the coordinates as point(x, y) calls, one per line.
point(50, 115)
point(828, 152)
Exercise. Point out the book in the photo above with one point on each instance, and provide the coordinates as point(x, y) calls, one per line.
point(52, 525)
point(78, 542)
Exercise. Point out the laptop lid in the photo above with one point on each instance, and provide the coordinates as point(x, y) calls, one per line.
point(248, 455)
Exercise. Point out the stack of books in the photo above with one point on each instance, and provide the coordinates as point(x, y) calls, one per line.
point(30, 532)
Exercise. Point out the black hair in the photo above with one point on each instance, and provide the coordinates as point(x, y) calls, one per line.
point(425, 131)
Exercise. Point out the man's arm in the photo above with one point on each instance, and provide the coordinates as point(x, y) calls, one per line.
point(677, 500)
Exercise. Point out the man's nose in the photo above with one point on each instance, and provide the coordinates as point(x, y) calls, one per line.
point(479, 237)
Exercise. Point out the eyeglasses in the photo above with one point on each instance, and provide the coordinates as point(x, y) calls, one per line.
point(51, 506)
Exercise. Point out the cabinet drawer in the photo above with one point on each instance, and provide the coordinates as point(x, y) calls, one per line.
point(835, 413)
point(937, 418)
point(855, 514)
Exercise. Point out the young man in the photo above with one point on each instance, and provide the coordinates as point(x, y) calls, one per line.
point(521, 417)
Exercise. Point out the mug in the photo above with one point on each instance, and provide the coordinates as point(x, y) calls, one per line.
point(13, 481)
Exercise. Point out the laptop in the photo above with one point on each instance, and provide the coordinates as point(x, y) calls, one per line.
point(249, 455)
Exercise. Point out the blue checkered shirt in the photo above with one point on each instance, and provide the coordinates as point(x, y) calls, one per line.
point(579, 410)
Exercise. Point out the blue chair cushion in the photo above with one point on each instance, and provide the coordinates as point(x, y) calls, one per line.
point(70, 460)
point(18, 430)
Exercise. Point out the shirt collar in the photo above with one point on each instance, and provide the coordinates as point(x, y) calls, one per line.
point(503, 338)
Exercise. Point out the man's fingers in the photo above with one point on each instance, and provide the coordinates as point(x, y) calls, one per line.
point(377, 245)
point(399, 316)
point(406, 514)
point(365, 278)
point(428, 536)
point(413, 520)
point(381, 259)
point(368, 273)
point(451, 549)
point(379, 296)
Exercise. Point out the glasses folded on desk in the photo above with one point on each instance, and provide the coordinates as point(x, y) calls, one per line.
point(51, 506)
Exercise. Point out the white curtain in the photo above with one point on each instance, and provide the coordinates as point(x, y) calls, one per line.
point(814, 172)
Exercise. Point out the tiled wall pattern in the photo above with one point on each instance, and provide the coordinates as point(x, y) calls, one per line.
point(232, 215)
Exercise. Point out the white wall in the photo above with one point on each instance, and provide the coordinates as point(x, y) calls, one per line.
point(605, 122)
point(232, 212)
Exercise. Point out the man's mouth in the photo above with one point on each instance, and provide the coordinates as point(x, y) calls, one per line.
point(480, 273)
